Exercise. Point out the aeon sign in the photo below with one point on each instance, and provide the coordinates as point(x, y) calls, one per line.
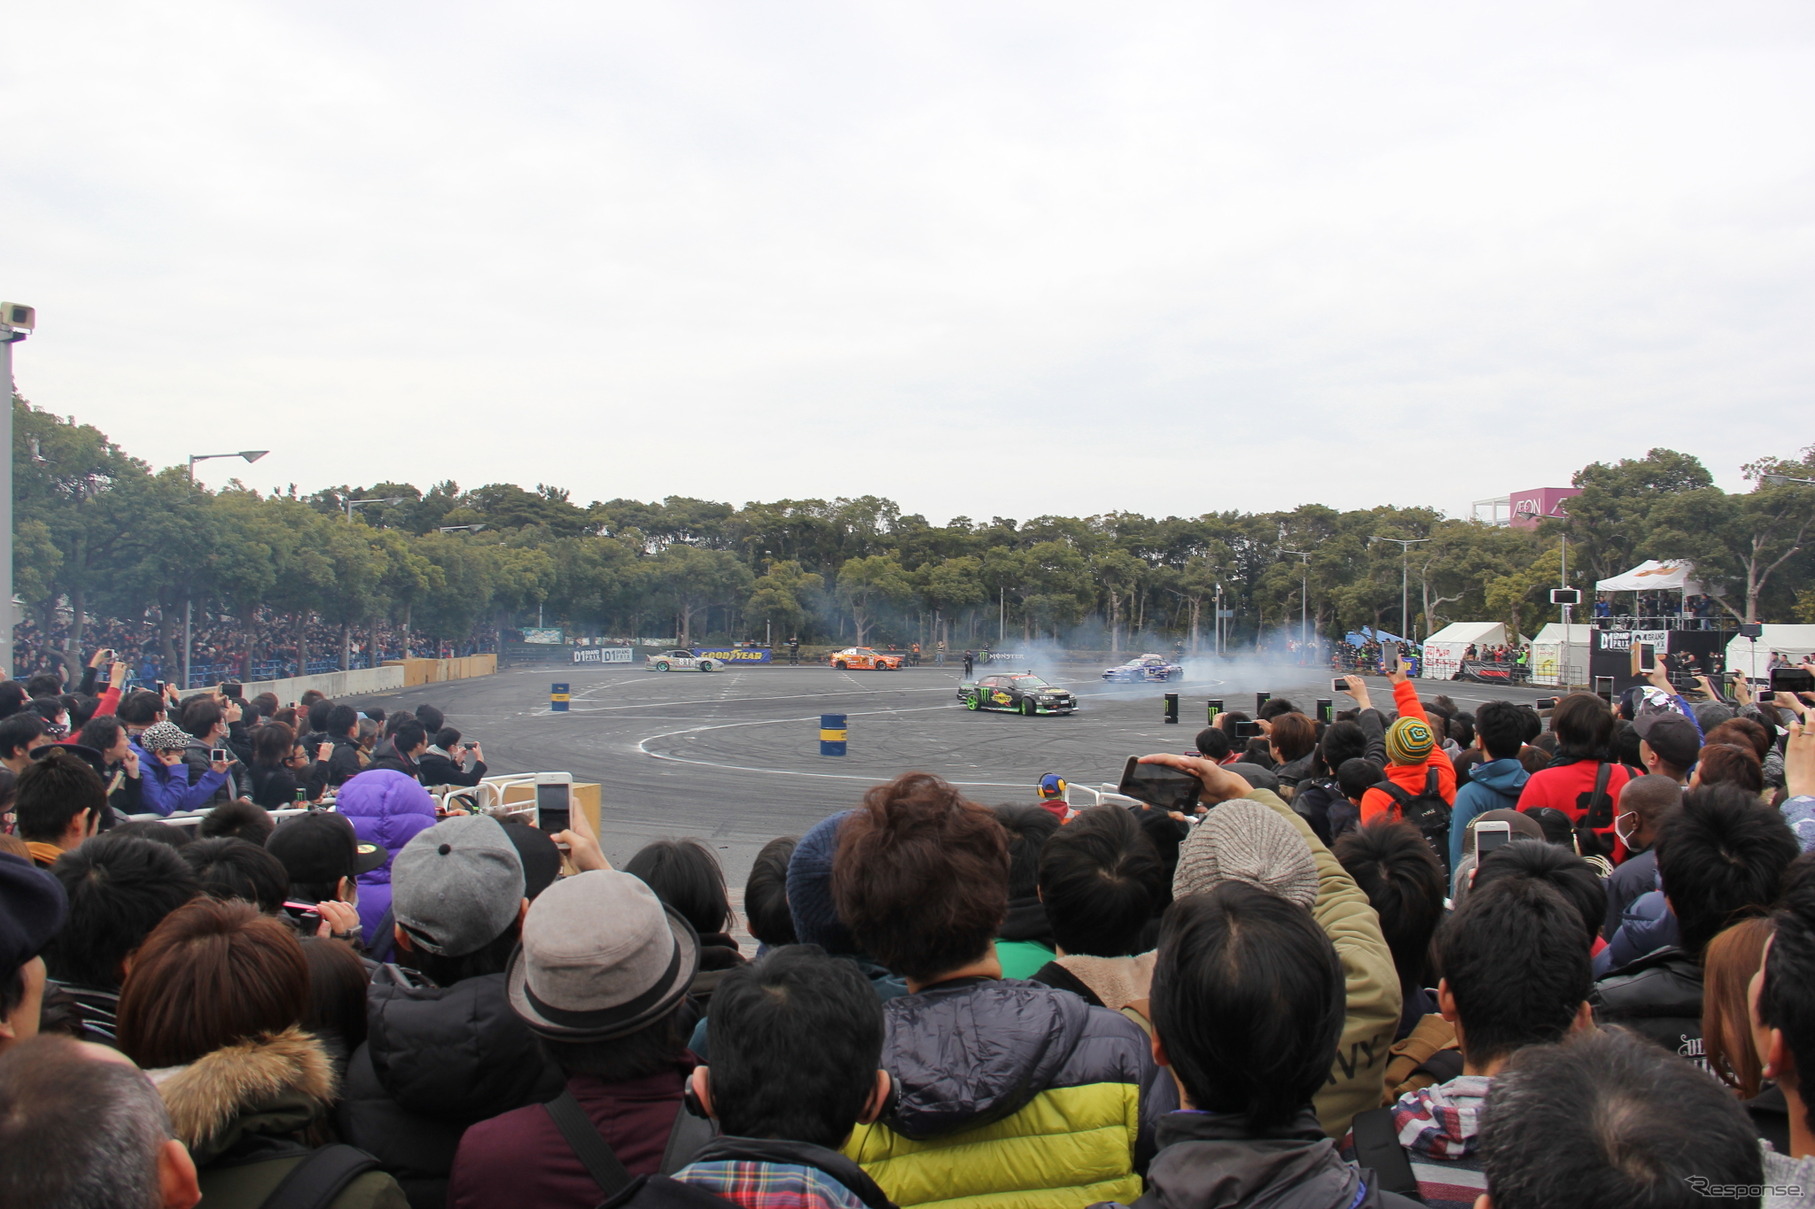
point(1540, 502)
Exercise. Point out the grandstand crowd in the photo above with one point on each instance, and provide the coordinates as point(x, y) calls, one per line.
point(1413, 954)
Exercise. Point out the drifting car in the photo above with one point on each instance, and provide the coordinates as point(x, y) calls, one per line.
point(1145, 668)
point(1019, 693)
point(679, 660)
point(862, 658)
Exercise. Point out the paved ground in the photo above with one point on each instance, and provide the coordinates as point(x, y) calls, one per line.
point(732, 757)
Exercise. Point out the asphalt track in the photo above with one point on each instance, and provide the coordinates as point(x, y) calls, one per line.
point(732, 757)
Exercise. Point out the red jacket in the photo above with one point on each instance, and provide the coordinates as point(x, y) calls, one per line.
point(1376, 803)
point(1569, 788)
point(520, 1158)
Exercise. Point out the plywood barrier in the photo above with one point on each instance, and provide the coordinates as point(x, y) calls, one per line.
point(434, 671)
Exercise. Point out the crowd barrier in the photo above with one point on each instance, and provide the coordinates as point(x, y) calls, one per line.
point(396, 674)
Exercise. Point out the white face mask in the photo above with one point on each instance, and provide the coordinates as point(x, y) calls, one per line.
point(1626, 833)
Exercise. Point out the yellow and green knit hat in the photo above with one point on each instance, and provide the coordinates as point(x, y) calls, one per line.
point(1409, 741)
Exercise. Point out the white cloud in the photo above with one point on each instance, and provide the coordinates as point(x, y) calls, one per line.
point(985, 259)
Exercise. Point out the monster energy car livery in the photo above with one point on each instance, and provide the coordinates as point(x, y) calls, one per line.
point(1023, 693)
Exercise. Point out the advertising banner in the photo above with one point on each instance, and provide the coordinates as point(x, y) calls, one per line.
point(736, 654)
point(601, 654)
point(543, 637)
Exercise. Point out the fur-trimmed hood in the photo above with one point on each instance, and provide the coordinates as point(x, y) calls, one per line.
point(269, 1086)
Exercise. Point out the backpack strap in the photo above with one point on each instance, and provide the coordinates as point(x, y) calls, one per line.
point(1377, 1149)
point(594, 1152)
point(1433, 785)
point(322, 1175)
point(1394, 792)
point(1600, 798)
point(689, 1134)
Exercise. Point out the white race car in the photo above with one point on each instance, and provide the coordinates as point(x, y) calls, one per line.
point(680, 661)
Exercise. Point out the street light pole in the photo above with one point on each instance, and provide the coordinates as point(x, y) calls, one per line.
point(1304, 599)
point(16, 322)
point(251, 455)
point(1405, 572)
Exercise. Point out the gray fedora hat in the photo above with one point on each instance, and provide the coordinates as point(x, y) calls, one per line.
point(601, 957)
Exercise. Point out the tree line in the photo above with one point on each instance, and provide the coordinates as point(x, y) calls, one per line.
point(101, 533)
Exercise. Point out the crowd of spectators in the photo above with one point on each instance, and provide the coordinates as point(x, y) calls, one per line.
point(227, 648)
point(1371, 965)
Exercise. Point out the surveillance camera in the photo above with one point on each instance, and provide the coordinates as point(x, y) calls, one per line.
point(18, 316)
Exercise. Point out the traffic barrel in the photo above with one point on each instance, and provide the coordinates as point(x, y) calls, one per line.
point(1212, 708)
point(831, 734)
point(1326, 710)
point(558, 697)
point(1261, 699)
point(1172, 708)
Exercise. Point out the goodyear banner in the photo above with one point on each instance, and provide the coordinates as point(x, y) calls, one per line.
point(601, 654)
point(736, 654)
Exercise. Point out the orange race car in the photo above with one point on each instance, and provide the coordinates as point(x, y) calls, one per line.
point(862, 658)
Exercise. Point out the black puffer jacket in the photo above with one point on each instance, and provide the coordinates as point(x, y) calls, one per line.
point(1659, 996)
point(435, 1061)
point(1209, 1161)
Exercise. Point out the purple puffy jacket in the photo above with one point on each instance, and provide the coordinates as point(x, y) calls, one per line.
point(388, 809)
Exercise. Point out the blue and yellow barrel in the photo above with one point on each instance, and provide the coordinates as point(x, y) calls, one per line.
point(558, 697)
point(831, 734)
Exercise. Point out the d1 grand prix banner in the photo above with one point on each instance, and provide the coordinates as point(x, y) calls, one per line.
point(601, 654)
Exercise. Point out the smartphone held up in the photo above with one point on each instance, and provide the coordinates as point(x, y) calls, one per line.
point(1160, 785)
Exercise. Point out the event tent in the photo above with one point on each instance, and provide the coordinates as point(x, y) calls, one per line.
point(1443, 650)
point(1676, 575)
point(1368, 634)
point(1549, 658)
point(1793, 642)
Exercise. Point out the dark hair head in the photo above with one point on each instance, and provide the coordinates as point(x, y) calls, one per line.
point(1729, 764)
point(431, 718)
point(1028, 827)
point(1248, 1001)
point(1609, 1119)
point(1514, 961)
point(1721, 858)
point(1405, 885)
point(54, 790)
point(140, 707)
point(493, 957)
point(374, 714)
point(408, 736)
point(12, 697)
point(1355, 777)
point(319, 711)
point(685, 875)
point(157, 832)
point(231, 868)
point(272, 743)
point(76, 1130)
point(1555, 866)
point(446, 738)
point(201, 715)
point(1341, 741)
point(311, 697)
point(44, 684)
point(1557, 827)
point(337, 992)
point(796, 1040)
point(20, 732)
point(1501, 728)
point(1102, 882)
point(237, 820)
point(766, 894)
point(921, 876)
point(341, 720)
point(1786, 999)
point(1748, 733)
point(1583, 725)
point(211, 974)
point(1293, 735)
point(1213, 743)
point(1275, 707)
point(1624, 747)
point(101, 733)
point(266, 702)
point(120, 887)
point(1651, 797)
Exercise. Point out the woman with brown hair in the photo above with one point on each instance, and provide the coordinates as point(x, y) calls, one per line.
point(212, 1009)
point(1728, 964)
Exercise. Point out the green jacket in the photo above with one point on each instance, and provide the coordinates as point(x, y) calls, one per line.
point(1358, 1077)
point(246, 1112)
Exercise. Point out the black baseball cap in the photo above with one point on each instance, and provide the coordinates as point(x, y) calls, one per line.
point(32, 908)
point(322, 846)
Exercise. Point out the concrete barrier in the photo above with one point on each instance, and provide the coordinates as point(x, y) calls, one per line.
point(389, 677)
point(433, 671)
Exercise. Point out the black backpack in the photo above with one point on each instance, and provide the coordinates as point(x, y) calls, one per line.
point(1597, 817)
point(1427, 811)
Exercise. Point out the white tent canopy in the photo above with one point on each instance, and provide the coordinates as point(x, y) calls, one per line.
point(1444, 650)
point(1793, 642)
point(1676, 575)
point(1550, 658)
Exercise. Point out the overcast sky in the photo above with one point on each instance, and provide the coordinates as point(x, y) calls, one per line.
point(982, 258)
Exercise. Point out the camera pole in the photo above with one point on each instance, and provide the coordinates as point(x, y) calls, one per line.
point(8, 337)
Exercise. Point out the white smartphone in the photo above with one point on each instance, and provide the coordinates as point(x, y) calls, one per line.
point(1489, 836)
